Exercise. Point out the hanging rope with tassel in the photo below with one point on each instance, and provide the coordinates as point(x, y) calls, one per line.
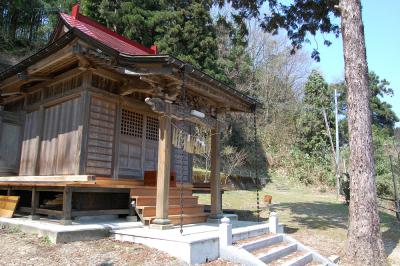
point(256, 163)
point(184, 100)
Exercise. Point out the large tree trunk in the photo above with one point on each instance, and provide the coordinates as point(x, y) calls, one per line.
point(364, 244)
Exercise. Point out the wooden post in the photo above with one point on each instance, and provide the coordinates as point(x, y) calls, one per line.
point(117, 136)
point(83, 127)
point(215, 180)
point(67, 206)
point(39, 139)
point(164, 171)
point(34, 204)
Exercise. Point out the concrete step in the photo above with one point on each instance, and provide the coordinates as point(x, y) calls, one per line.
point(258, 243)
point(172, 200)
point(149, 211)
point(152, 191)
point(277, 252)
point(297, 258)
point(241, 234)
point(187, 218)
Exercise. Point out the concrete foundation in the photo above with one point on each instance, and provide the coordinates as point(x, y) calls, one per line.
point(199, 243)
point(76, 231)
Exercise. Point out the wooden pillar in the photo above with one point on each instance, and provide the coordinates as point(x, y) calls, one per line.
point(83, 127)
point(67, 206)
point(34, 204)
point(215, 180)
point(163, 170)
point(40, 125)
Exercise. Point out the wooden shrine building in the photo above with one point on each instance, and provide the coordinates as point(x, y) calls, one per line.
point(87, 122)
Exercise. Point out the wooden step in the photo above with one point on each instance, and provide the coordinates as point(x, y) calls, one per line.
point(149, 211)
point(172, 200)
point(152, 191)
point(187, 218)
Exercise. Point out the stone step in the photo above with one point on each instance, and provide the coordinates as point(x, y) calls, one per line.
point(260, 243)
point(187, 218)
point(277, 252)
point(172, 200)
point(152, 191)
point(149, 211)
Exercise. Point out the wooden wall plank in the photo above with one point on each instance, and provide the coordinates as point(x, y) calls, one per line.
point(100, 139)
point(29, 144)
point(61, 140)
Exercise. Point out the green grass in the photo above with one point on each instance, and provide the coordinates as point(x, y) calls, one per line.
point(314, 217)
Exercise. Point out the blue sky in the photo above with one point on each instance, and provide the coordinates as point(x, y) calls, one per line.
point(382, 36)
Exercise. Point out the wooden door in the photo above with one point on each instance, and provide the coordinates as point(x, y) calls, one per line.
point(131, 144)
point(138, 145)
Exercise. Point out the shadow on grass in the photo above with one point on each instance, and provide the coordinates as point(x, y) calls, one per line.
point(391, 236)
point(247, 215)
point(327, 215)
point(316, 215)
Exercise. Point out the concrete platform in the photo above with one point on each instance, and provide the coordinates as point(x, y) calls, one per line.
point(90, 229)
point(199, 243)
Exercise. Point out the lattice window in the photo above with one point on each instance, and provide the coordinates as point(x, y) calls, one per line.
point(131, 123)
point(152, 128)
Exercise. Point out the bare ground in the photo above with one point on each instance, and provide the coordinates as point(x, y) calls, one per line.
point(17, 248)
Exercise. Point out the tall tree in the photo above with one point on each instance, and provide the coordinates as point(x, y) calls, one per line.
point(313, 138)
point(304, 17)
point(364, 236)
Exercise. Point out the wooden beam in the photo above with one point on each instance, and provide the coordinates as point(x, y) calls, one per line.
point(100, 212)
point(54, 80)
point(53, 59)
point(135, 85)
point(9, 81)
point(25, 76)
point(180, 112)
point(56, 178)
point(108, 74)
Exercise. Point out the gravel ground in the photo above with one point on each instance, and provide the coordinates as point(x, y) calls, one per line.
point(17, 248)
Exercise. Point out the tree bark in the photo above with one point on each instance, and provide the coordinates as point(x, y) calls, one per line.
point(364, 243)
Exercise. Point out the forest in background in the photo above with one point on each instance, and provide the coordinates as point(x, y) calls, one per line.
point(293, 139)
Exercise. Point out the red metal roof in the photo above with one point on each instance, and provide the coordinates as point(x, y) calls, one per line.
point(104, 35)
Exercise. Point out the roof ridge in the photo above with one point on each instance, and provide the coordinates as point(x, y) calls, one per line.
point(101, 27)
point(77, 20)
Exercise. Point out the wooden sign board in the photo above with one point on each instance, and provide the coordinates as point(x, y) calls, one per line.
point(8, 204)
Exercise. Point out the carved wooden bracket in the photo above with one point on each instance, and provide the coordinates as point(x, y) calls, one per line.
point(180, 112)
